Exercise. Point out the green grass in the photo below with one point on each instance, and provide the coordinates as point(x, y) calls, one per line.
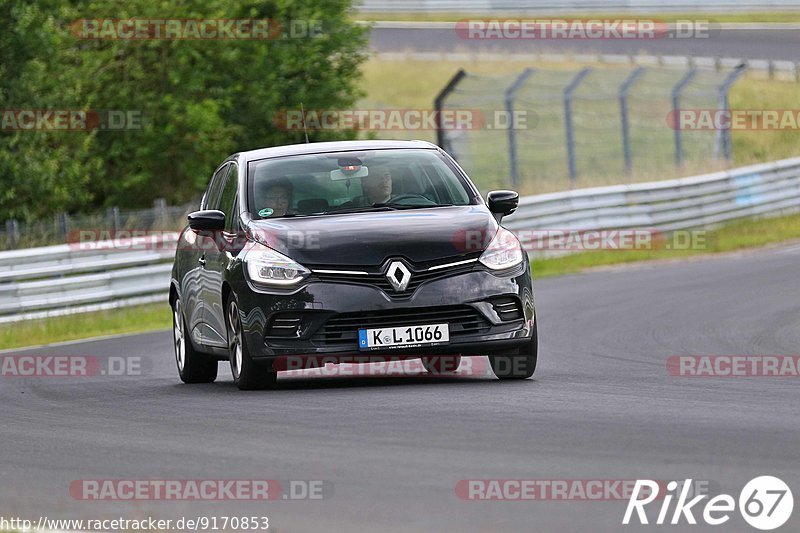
point(739, 235)
point(765, 145)
point(767, 16)
point(116, 321)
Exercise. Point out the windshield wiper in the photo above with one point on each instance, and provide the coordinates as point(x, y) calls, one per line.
point(362, 209)
point(389, 206)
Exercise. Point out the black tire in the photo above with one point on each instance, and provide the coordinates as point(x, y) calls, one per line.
point(193, 366)
point(441, 364)
point(518, 364)
point(247, 373)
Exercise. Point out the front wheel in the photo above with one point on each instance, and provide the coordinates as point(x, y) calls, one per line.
point(193, 366)
point(247, 373)
point(520, 363)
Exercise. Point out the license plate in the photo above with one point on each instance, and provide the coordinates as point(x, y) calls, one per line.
point(403, 337)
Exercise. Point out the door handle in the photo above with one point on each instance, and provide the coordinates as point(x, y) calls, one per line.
point(202, 261)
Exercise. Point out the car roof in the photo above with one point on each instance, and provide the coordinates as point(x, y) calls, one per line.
point(337, 146)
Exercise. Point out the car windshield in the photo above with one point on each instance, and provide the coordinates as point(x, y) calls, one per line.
point(351, 182)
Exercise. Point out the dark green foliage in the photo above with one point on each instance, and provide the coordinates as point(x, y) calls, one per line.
point(199, 99)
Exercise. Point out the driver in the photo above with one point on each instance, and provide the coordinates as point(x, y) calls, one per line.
point(377, 187)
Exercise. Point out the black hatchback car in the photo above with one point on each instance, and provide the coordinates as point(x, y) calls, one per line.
point(319, 253)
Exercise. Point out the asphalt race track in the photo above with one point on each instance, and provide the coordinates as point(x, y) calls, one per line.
point(602, 406)
point(762, 43)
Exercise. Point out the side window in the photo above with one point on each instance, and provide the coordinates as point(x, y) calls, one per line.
point(227, 203)
point(211, 197)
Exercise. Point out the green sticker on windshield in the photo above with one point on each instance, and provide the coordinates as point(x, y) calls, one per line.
point(265, 212)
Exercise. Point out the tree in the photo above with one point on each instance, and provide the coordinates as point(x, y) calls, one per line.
point(40, 171)
point(199, 99)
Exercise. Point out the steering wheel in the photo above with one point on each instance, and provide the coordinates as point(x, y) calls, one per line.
point(412, 196)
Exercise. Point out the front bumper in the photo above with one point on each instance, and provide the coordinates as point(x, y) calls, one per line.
point(322, 317)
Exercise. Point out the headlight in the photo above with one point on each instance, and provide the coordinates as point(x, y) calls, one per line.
point(267, 267)
point(503, 252)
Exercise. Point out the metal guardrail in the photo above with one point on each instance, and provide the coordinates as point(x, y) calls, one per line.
point(58, 280)
point(768, 189)
point(69, 259)
point(694, 202)
point(79, 277)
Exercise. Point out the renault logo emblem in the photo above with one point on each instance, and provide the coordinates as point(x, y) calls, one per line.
point(398, 276)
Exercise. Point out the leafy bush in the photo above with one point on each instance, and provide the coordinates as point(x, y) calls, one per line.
point(199, 100)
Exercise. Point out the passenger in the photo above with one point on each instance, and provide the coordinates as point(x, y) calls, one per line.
point(273, 197)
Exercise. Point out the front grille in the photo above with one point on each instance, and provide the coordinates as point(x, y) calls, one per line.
point(376, 277)
point(343, 328)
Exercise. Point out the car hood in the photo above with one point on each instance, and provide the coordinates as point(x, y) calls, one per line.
point(419, 235)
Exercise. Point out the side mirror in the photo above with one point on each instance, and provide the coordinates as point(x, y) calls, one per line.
point(209, 220)
point(503, 203)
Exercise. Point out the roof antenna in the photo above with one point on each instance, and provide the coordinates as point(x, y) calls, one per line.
point(303, 116)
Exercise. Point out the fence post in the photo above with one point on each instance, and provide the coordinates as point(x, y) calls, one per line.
point(573, 170)
point(12, 233)
point(723, 142)
point(511, 94)
point(112, 214)
point(676, 101)
point(160, 208)
point(439, 101)
point(623, 107)
point(62, 225)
